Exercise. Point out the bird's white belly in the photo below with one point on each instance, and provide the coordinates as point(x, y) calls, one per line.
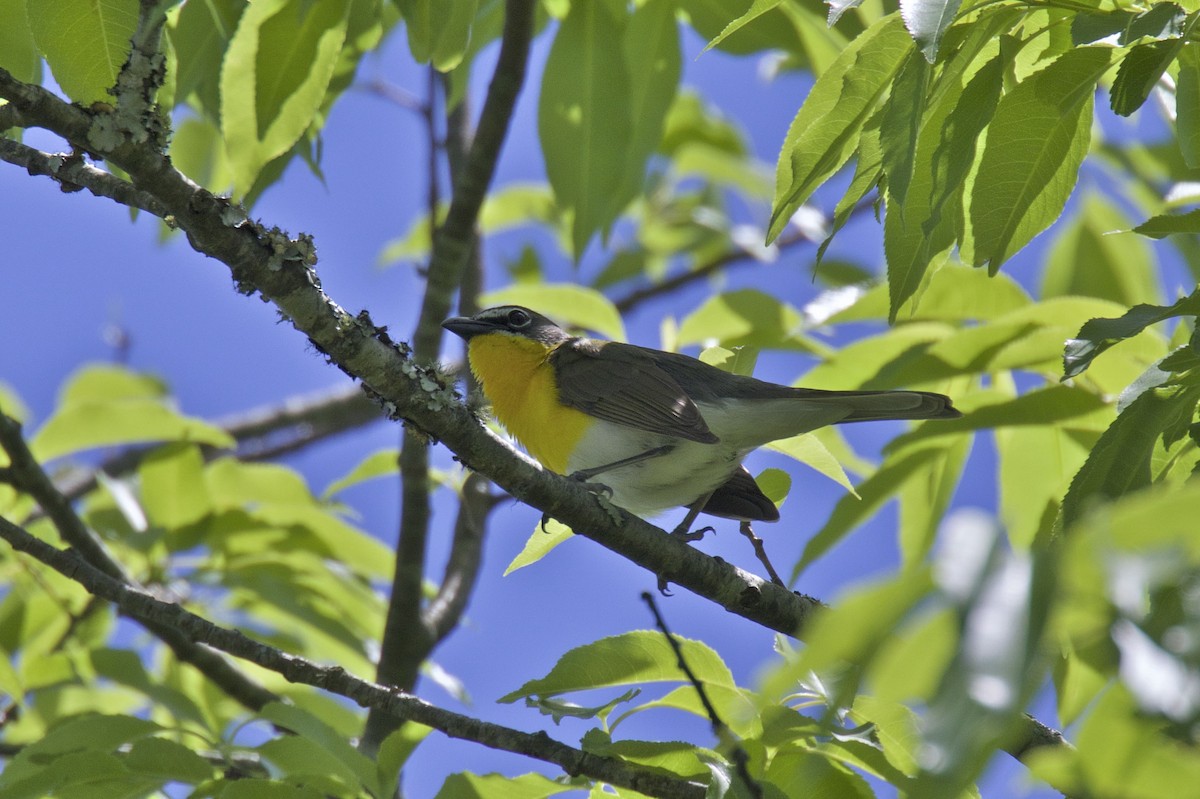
point(688, 472)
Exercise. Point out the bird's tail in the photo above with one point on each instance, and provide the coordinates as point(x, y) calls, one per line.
point(869, 406)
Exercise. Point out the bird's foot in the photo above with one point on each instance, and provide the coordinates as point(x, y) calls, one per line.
point(683, 533)
point(761, 552)
point(599, 489)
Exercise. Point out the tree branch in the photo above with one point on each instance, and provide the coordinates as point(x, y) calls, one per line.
point(25, 474)
point(140, 605)
point(73, 173)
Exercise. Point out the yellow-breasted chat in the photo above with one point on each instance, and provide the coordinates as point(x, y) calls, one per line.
point(660, 429)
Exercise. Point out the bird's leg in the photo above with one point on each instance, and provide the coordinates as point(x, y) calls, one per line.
point(584, 475)
point(761, 552)
point(683, 530)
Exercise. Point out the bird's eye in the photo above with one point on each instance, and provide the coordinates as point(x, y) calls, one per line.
point(518, 318)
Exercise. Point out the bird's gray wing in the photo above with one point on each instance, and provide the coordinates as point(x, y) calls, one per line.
point(621, 383)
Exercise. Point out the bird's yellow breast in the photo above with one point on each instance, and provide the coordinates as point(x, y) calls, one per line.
point(519, 381)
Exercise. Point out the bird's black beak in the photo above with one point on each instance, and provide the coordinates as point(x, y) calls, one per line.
point(465, 326)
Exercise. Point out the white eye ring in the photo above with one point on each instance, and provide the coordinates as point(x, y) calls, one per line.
point(518, 318)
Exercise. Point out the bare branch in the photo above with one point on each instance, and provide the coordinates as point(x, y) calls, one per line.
point(141, 605)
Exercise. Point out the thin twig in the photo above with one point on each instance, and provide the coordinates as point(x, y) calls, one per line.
point(720, 729)
point(141, 605)
point(73, 173)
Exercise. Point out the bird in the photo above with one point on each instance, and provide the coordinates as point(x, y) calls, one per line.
point(659, 429)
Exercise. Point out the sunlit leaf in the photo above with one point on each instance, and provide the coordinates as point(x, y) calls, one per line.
point(18, 51)
point(1089, 259)
point(84, 42)
point(633, 658)
point(539, 544)
point(825, 131)
point(927, 21)
point(106, 406)
point(274, 77)
point(1140, 71)
point(465, 785)
point(1097, 335)
point(583, 121)
point(566, 303)
point(1032, 153)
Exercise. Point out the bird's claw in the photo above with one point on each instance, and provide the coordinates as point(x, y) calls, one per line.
point(681, 532)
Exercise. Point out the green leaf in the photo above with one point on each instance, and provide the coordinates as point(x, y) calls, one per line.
point(1163, 225)
point(900, 123)
point(632, 658)
point(1076, 683)
point(826, 130)
point(921, 218)
point(583, 120)
point(200, 34)
point(169, 760)
point(465, 785)
point(1187, 105)
point(926, 495)
point(18, 50)
point(277, 69)
point(439, 31)
point(853, 510)
point(172, 485)
point(868, 171)
point(680, 758)
point(105, 406)
point(910, 664)
point(539, 544)
point(756, 10)
point(1036, 466)
point(860, 622)
point(87, 733)
point(768, 31)
point(267, 789)
point(1032, 153)
point(198, 152)
point(315, 733)
point(383, 463)
point(746, 317)
point(1120, 461)
point(1140, 71)
point(567, 303)
point(652, 58)
point(927, 21)
point(1123, 751)
point(809, 450)
point(1088, 259)
point(85, 42)
point(1097, 335)
point(395, 751)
